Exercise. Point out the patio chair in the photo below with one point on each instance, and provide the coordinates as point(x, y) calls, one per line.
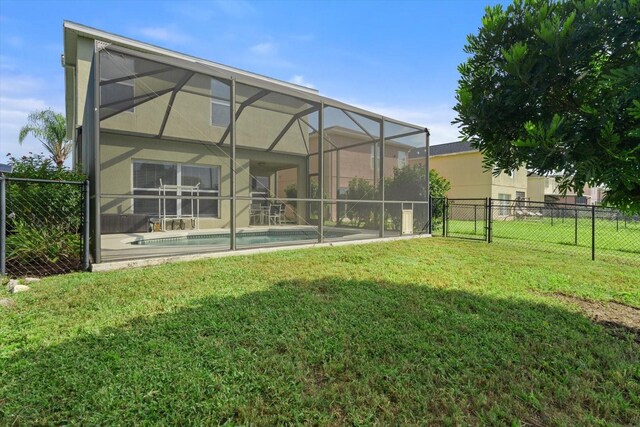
point(255, 213)
point(276, 213)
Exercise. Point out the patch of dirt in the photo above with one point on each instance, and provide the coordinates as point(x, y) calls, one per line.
point(613, 315)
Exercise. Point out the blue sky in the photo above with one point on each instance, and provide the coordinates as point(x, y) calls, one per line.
point(396, 58)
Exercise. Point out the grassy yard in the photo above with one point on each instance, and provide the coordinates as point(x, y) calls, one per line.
point(610, 236)
point(426, 331)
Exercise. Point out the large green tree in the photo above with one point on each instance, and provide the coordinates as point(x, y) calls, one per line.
point(50, 128)
point(556, 86)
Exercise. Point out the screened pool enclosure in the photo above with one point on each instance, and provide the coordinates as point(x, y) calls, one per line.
point(186, 156)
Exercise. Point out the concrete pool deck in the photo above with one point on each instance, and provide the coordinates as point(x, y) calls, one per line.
point(118, 252)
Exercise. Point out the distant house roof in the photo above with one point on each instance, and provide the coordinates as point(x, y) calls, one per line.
point(5, 168)
point(438, 150)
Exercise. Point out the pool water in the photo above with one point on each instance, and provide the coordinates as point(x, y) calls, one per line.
point(247, 238)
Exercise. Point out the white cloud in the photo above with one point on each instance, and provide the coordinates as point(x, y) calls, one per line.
point(436, 118)
point(235, 8)
point(19, 84)
point(13, 115)
point(265, 48)
point(14, 41)
point(265, 54)
point(169, 34)
point(208, 10)
point(299, 80)
point(303, 38)
point(6, 63)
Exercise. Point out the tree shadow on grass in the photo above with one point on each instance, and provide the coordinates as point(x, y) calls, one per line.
point(333, 352)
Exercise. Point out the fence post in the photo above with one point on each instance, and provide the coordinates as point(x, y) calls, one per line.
point(444, 217)
point(576, 228)
point(3, 225)
point(593, 232)
point(489, 220)
point(430, 218)
point(617, 221)
point(85, 227)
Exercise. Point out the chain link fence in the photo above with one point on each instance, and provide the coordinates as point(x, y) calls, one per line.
point(551, 226)
point(43, 226)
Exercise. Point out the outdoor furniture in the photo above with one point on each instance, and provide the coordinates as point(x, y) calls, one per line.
point(276, 213)
point(180, 190)
point(255, 214)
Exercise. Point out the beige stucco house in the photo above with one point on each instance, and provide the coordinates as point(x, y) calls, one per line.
point(173, 142)
point(462, 166)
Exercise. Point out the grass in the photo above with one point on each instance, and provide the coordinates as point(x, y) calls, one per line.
point(427, 331)
point(623, 237)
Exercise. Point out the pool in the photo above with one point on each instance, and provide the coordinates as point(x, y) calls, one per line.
point(243, 238)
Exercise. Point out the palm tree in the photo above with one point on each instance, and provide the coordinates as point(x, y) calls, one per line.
point(50, 128)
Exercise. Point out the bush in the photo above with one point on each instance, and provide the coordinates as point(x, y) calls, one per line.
point(41, 204)
point(44, 220)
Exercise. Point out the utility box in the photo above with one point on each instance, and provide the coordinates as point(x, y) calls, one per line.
point(407, 221)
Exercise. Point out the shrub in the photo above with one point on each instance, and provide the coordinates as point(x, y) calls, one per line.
point(44, 220)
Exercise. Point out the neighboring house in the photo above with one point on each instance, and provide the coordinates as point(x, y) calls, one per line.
point(348, 155)
point(462, 166)
point(164, 134)
point(545, 189)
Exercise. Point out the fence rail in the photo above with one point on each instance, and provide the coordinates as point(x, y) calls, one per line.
point(44, 226)
point(590, 229)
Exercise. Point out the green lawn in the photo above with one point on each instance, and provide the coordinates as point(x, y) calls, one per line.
point(426, 331)
point(610, 236)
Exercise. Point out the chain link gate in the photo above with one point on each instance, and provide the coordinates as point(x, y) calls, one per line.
point(465, 218)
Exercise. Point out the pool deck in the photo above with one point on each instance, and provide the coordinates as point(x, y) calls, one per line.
point(194, 253)
point(118, 247)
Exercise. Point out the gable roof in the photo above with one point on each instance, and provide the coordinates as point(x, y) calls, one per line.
point(441, 149)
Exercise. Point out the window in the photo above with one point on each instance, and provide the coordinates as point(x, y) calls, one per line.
point(504, 204)
point(220, 103)
point(146, 180)
point(260, 186)
point(119, 93)
point(512, 174)
point(375, 158)
point(209, 180)
point(402, 159)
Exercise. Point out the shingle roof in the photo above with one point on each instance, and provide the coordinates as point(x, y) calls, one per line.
point(449, 148)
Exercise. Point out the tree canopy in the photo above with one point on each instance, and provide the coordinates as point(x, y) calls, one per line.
point(556, 87)
point(50, 128)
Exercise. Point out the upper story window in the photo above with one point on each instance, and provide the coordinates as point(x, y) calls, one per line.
point(220, 103)
point(120, 91)
point(402, 159)
point(375, 158)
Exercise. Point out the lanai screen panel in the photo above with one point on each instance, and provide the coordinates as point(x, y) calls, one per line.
point(351, 176)
point(405, 178)
point(135, 92)
point(162, 166)
point(272, 165)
